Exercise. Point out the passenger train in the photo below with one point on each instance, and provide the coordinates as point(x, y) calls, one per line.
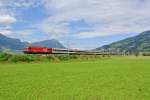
point(45, 50)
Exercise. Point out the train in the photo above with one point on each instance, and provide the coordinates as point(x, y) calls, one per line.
point(46, 50)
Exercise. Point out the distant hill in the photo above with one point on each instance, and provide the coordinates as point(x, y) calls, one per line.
point(15, 45)
point(11, 43)
point(139, 43)
point(49, 43)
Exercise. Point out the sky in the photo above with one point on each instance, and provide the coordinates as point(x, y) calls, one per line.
point(84, 24)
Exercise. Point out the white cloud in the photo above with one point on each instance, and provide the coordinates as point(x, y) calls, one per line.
point(54, 29)
point(7, 19)
point(6, 13)
point(109, 17)
point(6, 32)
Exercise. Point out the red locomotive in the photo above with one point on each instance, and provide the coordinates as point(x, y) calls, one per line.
point(37, 50)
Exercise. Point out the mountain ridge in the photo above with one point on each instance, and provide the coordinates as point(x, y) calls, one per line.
point(138, 43)
point(17, 44)
point(49, 43)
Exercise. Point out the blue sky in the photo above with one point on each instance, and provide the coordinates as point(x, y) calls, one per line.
point(84, 24)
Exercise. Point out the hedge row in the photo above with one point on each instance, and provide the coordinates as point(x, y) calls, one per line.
point(36, 58)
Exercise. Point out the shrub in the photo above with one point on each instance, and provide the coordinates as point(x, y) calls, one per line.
point(51, 58)
point(21, 58)
point(63, 57)
point(4, 57)
point(74, 57)
point(146, 54)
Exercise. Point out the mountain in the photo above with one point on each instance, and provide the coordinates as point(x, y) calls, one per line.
point(15, 45)
point(49, 43)
point(11, 43)
point(139, 43)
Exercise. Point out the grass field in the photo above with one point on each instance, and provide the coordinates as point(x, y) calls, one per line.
point(125, 78)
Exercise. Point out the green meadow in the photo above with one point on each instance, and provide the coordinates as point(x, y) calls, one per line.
point(117, 78)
